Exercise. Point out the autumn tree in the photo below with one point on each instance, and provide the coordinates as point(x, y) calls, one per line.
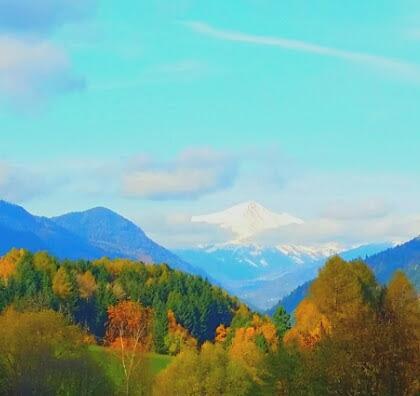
point(44, 262)
point(62, 285)
point(129, 333)
point(221, 333)
point(341, 298)
point(178, 338)
point(41, 354)
point(87, 285)
point(400, 337)
point(208, 371)
point(8, 263)
point(354, 337)
point(311, 325)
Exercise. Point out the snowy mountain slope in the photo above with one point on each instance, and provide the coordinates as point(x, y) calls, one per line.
point(233, 262)
point(247, 219)
point(302, 254)
point(262, 276)
point(237, 262)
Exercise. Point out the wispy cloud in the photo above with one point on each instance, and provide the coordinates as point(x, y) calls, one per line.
point(30, 70)
point(194, 173)
point(32, 67)
point(402, 68)
point(41, 16)
point(19, 184)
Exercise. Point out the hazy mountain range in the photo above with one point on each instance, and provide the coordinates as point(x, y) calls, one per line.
point(405, 257)
point(260, 275)
point(91, 234)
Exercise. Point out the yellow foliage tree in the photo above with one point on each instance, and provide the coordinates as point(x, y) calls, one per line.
point(61, 285)
point(401, 337)
point(44, 262)
point(8, 263)
point(87, 285)
point(245, 352)
point(209, 372)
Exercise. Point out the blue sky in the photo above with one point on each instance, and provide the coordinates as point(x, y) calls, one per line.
point(172, 108)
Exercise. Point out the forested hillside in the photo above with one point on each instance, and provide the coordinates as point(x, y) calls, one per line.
point(95, 328)
point(84, 290)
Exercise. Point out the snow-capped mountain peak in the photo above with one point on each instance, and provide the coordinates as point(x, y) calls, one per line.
point(247, 219)
point(301, 254)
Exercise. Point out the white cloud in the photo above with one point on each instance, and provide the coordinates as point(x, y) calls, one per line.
point(17, 184)
point(31, 67)
point(194, 173)
point(348, 232)
point(351, 210)
point(175, 230)
point(39, 16)
point(32, 70)
point(402, 68)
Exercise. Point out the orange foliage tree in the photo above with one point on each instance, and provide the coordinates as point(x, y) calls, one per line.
point(129, 333)
point(310, 326)
point(245, 352)
point(221, 333)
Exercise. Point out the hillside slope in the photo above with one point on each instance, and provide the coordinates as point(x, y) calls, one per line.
point(21, 229)
point(385, 263)
point(85, 235)
point(119, 237)
point(405, 257)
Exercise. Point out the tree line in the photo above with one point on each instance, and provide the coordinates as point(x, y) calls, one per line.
point(349, 336)
point(84, 290)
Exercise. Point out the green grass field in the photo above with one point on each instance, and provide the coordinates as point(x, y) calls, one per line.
point(112, 365)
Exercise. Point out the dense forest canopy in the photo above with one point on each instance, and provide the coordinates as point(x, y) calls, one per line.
point(351, 335)
point(84, 290)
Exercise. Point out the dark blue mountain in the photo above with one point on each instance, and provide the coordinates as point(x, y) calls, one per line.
point(19, 228)
point(117, 236)
point(292, 300)
point(405, 257)
point(385, 263)
point(263, 292)
point(89, 235)
point(365, 251)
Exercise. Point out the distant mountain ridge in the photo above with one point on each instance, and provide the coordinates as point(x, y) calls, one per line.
point(118, 237)
point(24, 230)
point(91, 234)
point(263, 275)
point(405, 257)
